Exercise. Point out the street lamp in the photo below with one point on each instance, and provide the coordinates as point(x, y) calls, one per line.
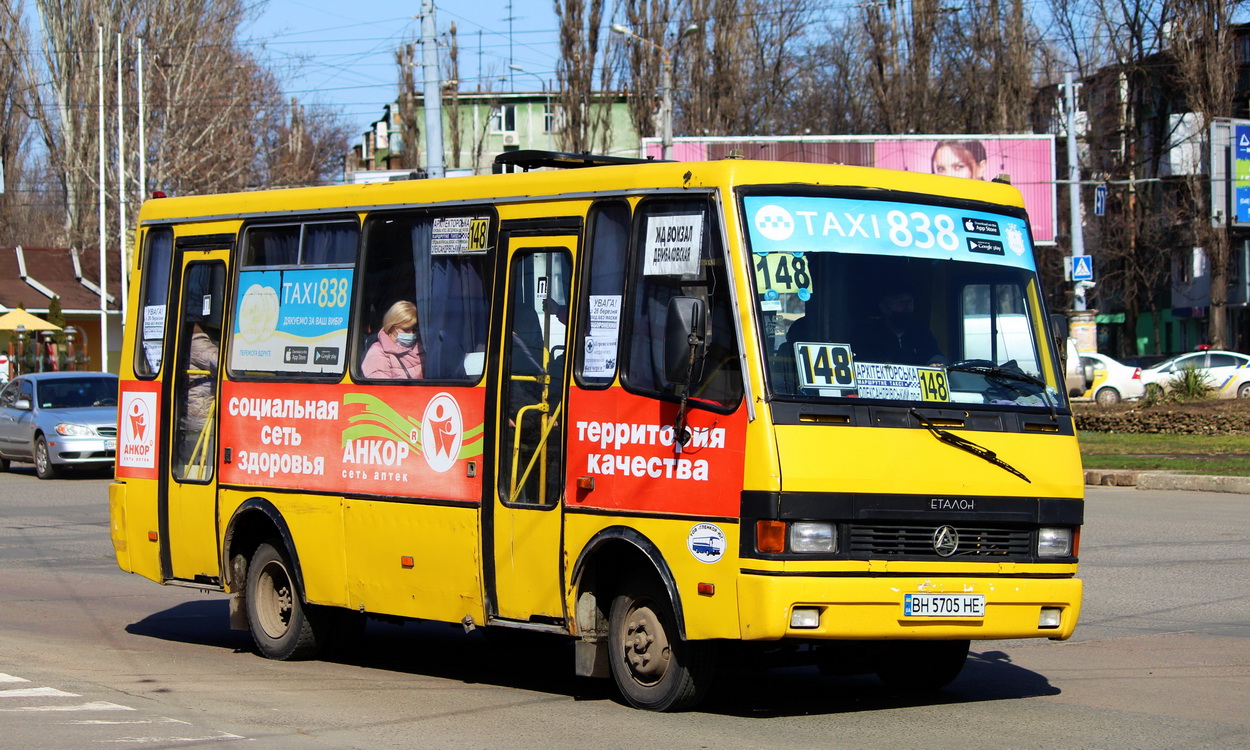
point(21, 346)
point(666, 82)
point(45, 350)
point(542, 86)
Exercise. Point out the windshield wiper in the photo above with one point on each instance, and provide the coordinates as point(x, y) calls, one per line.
point(964, 444)
point(1005, 375)
point(993, 371)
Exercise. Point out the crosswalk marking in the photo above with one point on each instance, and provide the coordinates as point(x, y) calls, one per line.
point(220, 737)
point(135, 725)
point(88, 706)
point(161, 720)
point(39, 692)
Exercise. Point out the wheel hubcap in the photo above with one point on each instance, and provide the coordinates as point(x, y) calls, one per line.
point(41, 456)
point(276, 600)
point(646, 646)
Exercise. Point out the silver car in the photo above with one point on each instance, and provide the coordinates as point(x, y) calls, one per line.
point(59, 420)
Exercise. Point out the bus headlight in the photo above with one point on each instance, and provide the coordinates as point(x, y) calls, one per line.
point(1054, 542)
point(812, 536)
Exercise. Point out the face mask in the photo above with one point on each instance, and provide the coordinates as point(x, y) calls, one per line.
point(406, 340)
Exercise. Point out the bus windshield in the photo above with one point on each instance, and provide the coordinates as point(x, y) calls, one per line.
point(898, 302)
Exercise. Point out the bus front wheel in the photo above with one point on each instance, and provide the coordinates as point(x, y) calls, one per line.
point(652, 666)
point(276, 615)
point(921, 666)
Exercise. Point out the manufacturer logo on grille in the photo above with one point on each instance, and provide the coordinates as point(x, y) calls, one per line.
point(945, 541)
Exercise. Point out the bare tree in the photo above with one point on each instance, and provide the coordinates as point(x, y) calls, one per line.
point(585, 117)
point(1126, 105)
point(306, 148)
point(741, 74)
point(649, 19)
point(216, 117)
point(1202, 44)
point(70, 54)
point(14, 124)
point(451, 104)
point(409, 129)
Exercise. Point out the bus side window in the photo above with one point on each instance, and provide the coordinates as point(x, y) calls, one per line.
point(294, 296)
point(663, 268)
point(154, 300)
point(603, 303)
point(407, 257)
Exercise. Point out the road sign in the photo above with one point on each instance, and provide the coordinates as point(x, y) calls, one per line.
point(1082, 268)
point(1100, 200)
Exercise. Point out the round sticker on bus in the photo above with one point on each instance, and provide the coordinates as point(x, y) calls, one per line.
point(442, 431)
point(706, 542)
point(774, 222)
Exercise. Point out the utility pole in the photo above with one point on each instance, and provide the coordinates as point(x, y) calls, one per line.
point(1074, 188)
point(104, 290)
point(433, 94)
point(122, 203)
point(1082, 325)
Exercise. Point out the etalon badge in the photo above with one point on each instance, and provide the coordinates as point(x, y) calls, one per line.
point(945, 541)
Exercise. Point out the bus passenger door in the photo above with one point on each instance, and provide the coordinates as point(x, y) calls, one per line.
point(524, 573)
point(189, 504)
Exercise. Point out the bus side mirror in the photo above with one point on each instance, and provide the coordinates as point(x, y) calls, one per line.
point(1059, 331)
point(684, 340)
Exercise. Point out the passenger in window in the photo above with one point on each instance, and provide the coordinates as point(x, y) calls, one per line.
point(395, 355)
point(201, 390)
point(897, 335)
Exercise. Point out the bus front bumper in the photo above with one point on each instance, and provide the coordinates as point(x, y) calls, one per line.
point(773, 607)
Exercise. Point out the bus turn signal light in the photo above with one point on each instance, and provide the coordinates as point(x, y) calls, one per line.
point(770, 536)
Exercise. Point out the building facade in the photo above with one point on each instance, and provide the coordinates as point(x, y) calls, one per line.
point(478, 126)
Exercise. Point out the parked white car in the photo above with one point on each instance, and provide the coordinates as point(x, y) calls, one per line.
point(1112, 381)
point(1226, 372)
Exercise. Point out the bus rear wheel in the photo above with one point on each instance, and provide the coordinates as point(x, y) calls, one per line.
point(652, 666)
point(921, 666)
point(276, 615)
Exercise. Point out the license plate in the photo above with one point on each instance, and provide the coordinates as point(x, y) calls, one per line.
point(943, 605)
point(110, 445)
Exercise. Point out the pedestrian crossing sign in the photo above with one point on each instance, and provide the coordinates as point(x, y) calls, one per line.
point(1082, 268)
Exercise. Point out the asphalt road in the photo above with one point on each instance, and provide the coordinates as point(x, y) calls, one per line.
point(91, 656)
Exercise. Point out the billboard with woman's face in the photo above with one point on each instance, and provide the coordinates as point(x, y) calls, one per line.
point(1029, 160)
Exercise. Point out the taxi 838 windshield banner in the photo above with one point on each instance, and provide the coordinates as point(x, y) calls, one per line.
point(795, 224)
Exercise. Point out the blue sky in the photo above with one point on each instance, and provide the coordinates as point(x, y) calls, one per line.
point(342, 54)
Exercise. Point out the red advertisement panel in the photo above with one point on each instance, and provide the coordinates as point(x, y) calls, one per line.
point(351, 439)
point(138, 429)
point(625, 443)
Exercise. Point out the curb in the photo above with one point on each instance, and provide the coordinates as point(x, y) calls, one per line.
point(1163, 480)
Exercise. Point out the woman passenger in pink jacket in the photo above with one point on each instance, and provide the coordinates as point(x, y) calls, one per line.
point(395, 354)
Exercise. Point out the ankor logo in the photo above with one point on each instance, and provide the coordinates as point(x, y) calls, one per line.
point(442, 432)
point(138, 426)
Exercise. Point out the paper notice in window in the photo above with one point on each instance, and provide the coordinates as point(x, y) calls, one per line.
point(673, 244)
point(602, 336)
point(152, 351)
point(153, 322)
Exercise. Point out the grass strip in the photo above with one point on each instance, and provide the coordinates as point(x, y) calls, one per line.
point(1222, 455)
